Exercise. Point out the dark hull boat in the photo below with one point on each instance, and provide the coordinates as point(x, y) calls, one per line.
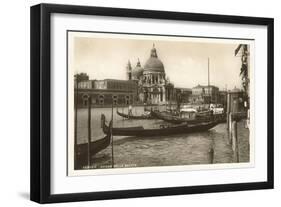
point(168, 117)
point(163, 130)
point(95, 146)
point(175, 119)
point(134, 117)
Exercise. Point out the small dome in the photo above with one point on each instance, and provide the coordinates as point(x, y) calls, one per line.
point(138, 70)
point(153, 64)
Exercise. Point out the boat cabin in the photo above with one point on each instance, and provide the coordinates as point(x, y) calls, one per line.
point(188, 113)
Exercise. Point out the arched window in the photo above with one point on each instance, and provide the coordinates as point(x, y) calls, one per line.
point(115, 99)
point(101, 99)
point(127, 100)
point(85, 99)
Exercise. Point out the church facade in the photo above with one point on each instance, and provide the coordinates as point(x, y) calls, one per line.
point(153, 86)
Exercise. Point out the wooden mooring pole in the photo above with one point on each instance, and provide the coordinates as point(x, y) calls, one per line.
point(235, 144)
point(112, 151)
point(228, 107)
point(123, 113)
point(75, 125)
point(211, 155)
point(229, 127)
point(89, 130)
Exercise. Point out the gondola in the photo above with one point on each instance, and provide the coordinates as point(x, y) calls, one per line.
point(144, 116)
point(203, 113)
point(162, 130)
point(175, 119)
point(95, 146)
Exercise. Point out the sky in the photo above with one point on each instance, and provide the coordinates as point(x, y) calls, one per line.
point(185, 61)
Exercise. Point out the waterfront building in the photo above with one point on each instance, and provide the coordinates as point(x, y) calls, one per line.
point(86, 84)
point(184, 94)
point(104, 92)
point(79, 78)
point(204, 94)
point(222, 98)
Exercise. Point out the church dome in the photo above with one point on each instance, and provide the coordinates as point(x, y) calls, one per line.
point(153, 64)
point(138, 70)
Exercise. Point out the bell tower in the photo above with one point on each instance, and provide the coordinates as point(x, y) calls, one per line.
point(129, 70)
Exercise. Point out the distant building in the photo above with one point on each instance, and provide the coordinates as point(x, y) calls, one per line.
point(184, 94)
point(222, 98)
point(204, 94)
point(104, 92)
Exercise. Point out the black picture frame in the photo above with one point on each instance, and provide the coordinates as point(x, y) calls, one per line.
point(41, 96)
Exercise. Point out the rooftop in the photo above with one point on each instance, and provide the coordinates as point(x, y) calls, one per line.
point(202, 86)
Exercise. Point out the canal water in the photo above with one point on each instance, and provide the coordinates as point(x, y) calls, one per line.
point(182, 149)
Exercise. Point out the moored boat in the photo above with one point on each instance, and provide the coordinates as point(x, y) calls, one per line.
point(127, 116)
point(162, 130)
point(95, 146)
point(166, 116)
point(177, 119)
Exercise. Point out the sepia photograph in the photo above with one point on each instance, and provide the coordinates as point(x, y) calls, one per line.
point(148, 103)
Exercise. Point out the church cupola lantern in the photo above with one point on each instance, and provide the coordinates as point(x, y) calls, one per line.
point(153, 52)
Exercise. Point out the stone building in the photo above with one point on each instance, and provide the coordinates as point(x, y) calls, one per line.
point(105, 92)
point(184, 94)
point(204, 94)
point(223, 98)
point(153, 87)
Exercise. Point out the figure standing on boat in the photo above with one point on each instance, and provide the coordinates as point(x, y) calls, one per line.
point(130, 110)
